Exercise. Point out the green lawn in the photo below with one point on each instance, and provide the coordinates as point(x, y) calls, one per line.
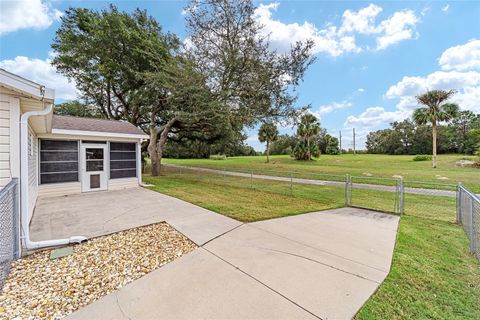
point(433, 275)
point(234, 197)
point(360, 165)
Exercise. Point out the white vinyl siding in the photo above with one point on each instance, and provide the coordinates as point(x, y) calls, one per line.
point(59, 189)
point(5, 168)
point(32, 169)
point(123, 183)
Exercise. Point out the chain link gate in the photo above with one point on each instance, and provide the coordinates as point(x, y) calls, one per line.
point(374, 192)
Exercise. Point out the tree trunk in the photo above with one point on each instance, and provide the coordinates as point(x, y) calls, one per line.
point(268, 151)
point(152, 151)
point(155, 148)
point(309, 156)
point(434, 144)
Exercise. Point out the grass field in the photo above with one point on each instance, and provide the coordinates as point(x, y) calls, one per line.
point(433, 275)
point(361, 165)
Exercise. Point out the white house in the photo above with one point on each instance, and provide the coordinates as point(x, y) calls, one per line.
point(59, 155)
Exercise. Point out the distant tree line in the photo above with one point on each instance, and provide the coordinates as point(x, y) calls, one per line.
point(461, 134)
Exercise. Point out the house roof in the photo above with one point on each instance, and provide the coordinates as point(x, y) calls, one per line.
point(26, 87)
point(95, 126)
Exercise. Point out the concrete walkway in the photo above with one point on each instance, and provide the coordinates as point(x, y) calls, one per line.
point(100, 213)
point(321, 265)
point(423, 191)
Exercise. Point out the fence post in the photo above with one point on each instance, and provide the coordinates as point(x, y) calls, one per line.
point(251, 179)
point(459, 206)
point(346, 190)
point(291, 184)
point(401, 200)
point(351, 190)
point(472, 227)
point(396, 204)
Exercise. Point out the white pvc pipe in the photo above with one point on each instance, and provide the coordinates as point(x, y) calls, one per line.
point(24, 196)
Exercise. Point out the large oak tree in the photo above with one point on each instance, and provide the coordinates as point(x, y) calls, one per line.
point(124, 65)
point(230, 47)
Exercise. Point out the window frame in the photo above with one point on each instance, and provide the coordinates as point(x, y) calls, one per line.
point(133, 159)
point(40, 150)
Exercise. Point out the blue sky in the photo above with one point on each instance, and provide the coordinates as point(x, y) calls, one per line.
point(372, 57)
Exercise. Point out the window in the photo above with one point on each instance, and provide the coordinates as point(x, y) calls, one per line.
point(58, 161)
point(94, 159)
point(123, 160)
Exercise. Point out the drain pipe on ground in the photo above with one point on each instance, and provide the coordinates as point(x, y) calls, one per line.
point(24, 181)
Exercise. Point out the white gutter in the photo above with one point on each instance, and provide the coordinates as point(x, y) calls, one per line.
point(100, 134)
point(24, 196)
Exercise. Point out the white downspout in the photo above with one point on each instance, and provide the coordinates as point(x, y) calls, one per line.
point(24, 196)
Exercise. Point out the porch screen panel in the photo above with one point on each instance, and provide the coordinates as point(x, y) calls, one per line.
point(58, 161)
point(123, 160)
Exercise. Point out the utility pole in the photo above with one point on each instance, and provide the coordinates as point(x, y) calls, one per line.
point(340, 141)
point(354, 151)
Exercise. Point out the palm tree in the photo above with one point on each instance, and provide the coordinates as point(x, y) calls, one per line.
point(436, 110)
point(267, 133)
point(308, 128)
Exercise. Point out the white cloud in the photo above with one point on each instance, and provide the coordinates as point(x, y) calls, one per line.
point(374, 116)
point(283, 35)
point(42, 72)
point(362, 21)
point(467, 84)
point(25, 14)
point(334, 40)
point(425, 10)
point(461, 57)
point(361, 90)
point(458, 60)
point(401, 26)
point(468, 98)
point(328, 108)
point(409, 86)
point(445, 8)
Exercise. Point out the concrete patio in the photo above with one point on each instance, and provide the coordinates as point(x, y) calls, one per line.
point(99, 213)
point(317, 265)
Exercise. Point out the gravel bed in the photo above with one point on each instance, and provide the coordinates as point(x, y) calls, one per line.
point(40, 288)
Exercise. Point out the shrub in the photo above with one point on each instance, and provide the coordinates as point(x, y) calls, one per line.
point(332, 150)
point(422, 157)
point(300, 152)
point(218, 157)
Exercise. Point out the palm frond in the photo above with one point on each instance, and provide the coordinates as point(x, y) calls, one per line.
point(421, 116)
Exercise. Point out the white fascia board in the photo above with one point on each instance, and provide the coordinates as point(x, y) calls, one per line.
point(99, 134)
point(24, 86)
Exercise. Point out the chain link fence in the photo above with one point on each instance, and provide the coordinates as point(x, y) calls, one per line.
point(282, 182)
point(9, 228)
point(429, 200)
point(468, 215)
point(382, 194)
